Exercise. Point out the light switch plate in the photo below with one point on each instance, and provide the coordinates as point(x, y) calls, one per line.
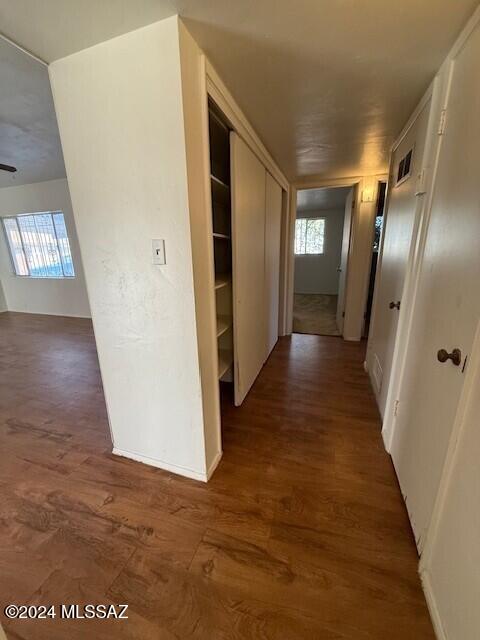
point(158, 252)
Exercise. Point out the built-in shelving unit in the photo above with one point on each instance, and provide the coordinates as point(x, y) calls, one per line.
point(221, 238)
point(225, 359)
point(222, 280)
point(224, 323)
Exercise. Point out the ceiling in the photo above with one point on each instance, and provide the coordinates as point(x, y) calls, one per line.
point(327, 84)
point(29, 138)
point(326, 199)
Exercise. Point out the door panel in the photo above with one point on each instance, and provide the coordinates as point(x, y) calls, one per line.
point(248, 244)
point(273, 222)
point(400, 216)
point(447, 303)
point(453, 552)
point(342, 281)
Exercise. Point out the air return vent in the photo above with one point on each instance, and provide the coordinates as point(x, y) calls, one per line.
point(405, 167)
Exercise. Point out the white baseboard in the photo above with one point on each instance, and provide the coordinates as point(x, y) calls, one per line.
point(432, 606)
point(44, 313)
point(166, 466)
point(214, 465)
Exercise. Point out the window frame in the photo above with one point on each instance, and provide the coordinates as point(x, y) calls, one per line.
point(10, 253)
point(322, 253)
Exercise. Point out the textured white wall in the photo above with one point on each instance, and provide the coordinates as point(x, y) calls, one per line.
point(120, 114)
point(53, 296)
point(3, 302)
point(318, 274)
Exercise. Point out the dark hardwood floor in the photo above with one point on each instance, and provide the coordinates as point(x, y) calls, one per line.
point(301, 533)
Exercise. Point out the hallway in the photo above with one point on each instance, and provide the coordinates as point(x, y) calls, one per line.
point(301, 533)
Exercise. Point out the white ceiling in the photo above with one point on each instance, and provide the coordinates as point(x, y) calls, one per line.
point(327, 84)
point(326, 199)
point(29, 138)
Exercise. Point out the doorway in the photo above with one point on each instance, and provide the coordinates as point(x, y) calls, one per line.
point(377, 234)
point(320, 227)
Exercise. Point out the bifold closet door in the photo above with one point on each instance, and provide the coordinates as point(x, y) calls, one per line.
point(248, 244)
point(273, 224)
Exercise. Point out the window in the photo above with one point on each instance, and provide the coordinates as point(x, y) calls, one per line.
point(39, 245)
point(309, 236)
point(378, 233)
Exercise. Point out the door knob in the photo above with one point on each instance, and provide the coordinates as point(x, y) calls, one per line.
point(455, 356)
point(395, 305)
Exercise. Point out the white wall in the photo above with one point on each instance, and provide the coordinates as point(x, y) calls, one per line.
point(318, 274)
point(53, 296)
point(360, 259)
point(3, 302)
point(120, 114)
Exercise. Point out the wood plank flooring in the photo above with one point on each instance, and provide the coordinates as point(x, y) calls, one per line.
point(301, 533)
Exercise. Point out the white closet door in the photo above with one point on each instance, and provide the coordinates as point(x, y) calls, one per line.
point(273, 223)
point(248, 244)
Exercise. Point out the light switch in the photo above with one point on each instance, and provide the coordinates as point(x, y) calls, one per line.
point(158, 252)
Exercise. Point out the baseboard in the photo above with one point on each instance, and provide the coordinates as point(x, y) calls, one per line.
point(166, 466)
point(432, 606)
point(42, 313)
point(214, 465)
point(315, 293)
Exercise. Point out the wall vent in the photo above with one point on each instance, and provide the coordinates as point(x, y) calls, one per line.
point(404, 167)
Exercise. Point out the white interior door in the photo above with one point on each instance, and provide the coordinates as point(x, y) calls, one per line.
point(447, 302)
point(399, 220)
point(273, 224)
point(248, 244)
point(342, 280)
point(452, 554)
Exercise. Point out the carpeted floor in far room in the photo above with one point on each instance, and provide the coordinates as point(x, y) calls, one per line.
point(315, 313)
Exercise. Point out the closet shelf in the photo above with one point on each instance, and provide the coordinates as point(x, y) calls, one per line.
point(225, 361)
point(219, 182)
point(220, 191)
point(222, 280)
point(223, 324)
point(221, 236)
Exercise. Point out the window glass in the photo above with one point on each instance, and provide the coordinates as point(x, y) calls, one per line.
point(309, 236)
point(39, 245)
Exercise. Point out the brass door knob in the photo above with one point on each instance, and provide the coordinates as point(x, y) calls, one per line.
point(395, 305)
point(455, 356)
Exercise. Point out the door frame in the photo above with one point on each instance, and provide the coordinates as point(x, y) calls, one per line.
point(438, 93)
point(362, 184)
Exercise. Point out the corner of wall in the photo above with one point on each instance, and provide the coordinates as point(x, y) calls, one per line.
point(195, 112)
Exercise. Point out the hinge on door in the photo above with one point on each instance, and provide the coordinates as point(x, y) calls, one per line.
point(395, 408)
point(442, 123)
point(421, 185)
point(343, 314)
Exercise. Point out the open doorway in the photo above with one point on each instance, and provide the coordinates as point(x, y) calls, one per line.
point(380, 207)
point(322, 234)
